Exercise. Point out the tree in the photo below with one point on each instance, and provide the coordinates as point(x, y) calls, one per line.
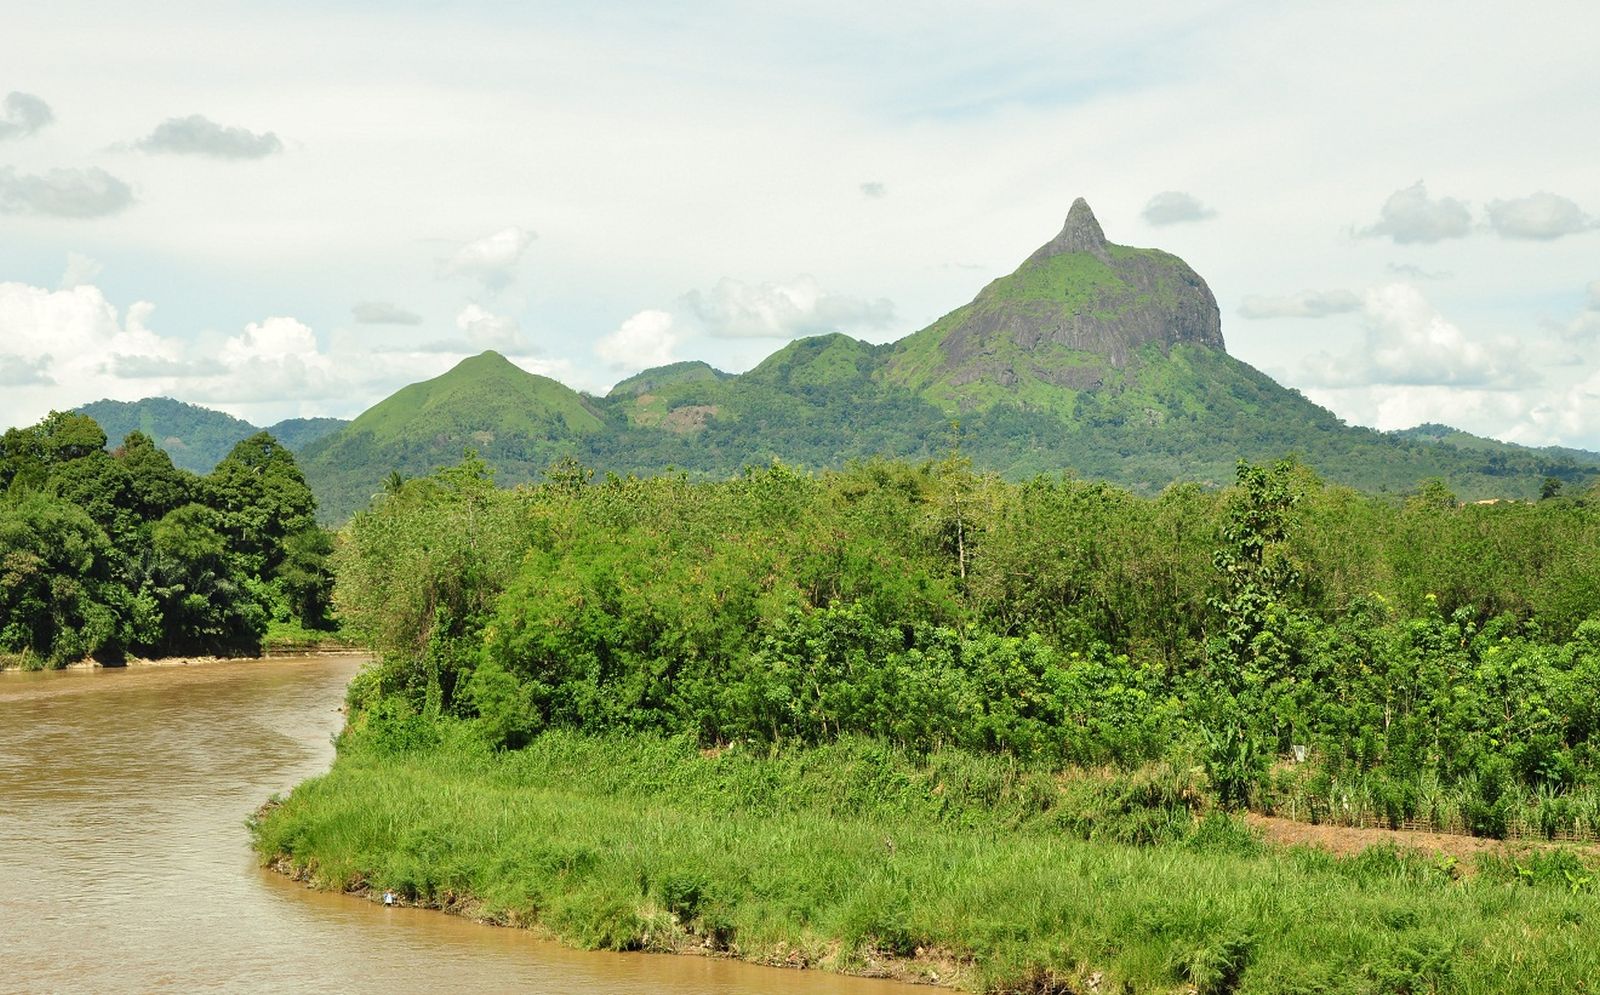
point(264, 500)
point(57, 591)
point(1250, 659)
point(156, 485)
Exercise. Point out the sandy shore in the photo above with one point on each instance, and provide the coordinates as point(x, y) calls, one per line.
point(11, 665)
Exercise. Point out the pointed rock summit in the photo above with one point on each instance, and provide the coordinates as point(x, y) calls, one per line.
point(1076, 314)
point(1080, 233)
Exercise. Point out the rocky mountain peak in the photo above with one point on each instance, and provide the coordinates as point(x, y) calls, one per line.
point(1080, 233)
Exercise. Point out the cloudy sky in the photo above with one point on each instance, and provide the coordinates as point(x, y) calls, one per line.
point(293, 209)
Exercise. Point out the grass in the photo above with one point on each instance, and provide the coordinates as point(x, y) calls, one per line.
point(27, 660)
point(853, 857)
point(292, 637)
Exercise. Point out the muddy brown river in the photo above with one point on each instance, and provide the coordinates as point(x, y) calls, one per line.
point(125, 863)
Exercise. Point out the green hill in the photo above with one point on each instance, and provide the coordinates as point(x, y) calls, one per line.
point(298, 433)
point(1101, 360)
point(518, 421)
point(197, 438)
point(690, 371)
point(1068, 320)
point(1432, 432)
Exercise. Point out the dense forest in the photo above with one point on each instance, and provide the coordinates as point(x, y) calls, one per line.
point(1183, 414)
point(1436, 663)
point(917, 720)
point(106, 554)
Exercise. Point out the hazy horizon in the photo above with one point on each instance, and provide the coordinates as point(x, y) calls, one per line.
point(294, 212)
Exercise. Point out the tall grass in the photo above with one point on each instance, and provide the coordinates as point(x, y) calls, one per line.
point(1420, 800)
point(986, 873)
point(28, 660)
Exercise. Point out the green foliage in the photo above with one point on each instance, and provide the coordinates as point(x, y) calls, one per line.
point(104, 554)
point(1056, 621)
point(519, 421)
point(844, 855)
point(1182, 413)
point(195, 438)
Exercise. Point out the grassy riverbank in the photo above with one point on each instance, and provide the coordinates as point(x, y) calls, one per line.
point(961, 869)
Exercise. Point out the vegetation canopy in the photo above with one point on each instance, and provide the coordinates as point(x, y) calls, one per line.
point(105, 554)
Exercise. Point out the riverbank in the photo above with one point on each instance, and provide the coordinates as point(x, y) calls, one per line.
point(964, 871)
point(279, 649)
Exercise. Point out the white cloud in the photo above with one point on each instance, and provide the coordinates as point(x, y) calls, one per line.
point(1540, 217)
point(22, 371)
point(80, 270)
point(199, 135)
point(1415, 272)
point(1173, 207)
point(63, 193)
point(1410, 343)
point(1585, 325)
point(163, 367)
point(1305, 304)
point(1411, 216)
point(1532, 418)
point(22, 114)
point(643, 341)
point(272, 360)
point(383, 313)
point(484, 329)
point(492, 259)
point(59, 344)
point(734, 309)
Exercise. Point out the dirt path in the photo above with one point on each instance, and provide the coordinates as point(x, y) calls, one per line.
point(1349, 840)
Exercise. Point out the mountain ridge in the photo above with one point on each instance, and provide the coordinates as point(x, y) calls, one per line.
point(196, 437)
point(1090, 358)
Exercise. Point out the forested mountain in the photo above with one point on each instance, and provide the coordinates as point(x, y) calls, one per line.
point(1091, 358)
point(1436, 433)
point(519, 422)
point(197, 438)
point(1097, 359)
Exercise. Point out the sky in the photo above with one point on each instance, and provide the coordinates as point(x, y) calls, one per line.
point(294, 209)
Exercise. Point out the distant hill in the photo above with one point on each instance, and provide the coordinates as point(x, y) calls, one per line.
point(518, 421)
point(1091, 358)
point(1436, 433)
point(298, 433)
point(196, 438)
point(1103, 360)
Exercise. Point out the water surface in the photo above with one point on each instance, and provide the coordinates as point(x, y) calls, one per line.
point(125, 863)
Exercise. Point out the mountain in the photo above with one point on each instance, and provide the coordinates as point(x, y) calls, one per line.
point(1432, 432)
point(298, 433)
point(1102, 359)
point(517, 421)
point(196, 438)
point(1073, 314)
point(1092, 358)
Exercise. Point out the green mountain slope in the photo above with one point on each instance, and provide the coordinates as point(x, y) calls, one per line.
point(518, 421)
point(197, 438)
point(298, 433)
point(1067, 320)
point(1092, 358)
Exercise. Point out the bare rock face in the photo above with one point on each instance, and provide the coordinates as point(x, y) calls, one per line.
point(1076, 309)
point(1080, 233)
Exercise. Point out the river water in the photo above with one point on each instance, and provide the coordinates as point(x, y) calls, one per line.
point(125, 863)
